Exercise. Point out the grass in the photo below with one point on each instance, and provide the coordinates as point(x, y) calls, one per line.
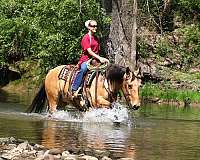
point(150, 90)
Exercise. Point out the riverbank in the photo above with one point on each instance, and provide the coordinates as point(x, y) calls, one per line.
point(17, 149)
point(150, 93)
point(163, 86)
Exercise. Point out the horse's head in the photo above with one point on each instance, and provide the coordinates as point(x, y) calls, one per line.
point(131, 85)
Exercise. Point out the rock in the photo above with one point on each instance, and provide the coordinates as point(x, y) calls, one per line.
point(7, 140)
point(168, 62)
point(106, 158)
point(88, 151)
point(38, 147)
point(12, 139)
point(194, 69)
point(55, 151)
point(86, 157)
point(100, 153)
point(57, 157)
point(40, 154)
point(11, 146)
point(39, 159)
point(26, 151)
point(7, 75)
point(46, 153)
point(65, 154)
point(71, 157)
point(22, 146)
point(48, 157)
point(7, 156)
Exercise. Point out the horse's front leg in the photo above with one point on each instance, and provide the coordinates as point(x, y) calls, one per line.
point(103, 102)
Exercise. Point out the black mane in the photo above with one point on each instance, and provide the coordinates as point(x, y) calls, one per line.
point(115, 72)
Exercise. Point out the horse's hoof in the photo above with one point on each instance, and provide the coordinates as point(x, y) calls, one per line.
point(82, 103)
point(49, 115)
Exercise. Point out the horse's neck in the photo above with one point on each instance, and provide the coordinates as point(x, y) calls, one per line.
point(114, 86)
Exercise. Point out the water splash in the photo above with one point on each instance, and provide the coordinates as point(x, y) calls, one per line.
point(117, 114)
point(66, 116)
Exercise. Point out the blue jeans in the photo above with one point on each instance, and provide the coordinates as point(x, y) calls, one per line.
point(79, 77)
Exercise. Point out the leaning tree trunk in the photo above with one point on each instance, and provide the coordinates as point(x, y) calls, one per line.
point(122, 38)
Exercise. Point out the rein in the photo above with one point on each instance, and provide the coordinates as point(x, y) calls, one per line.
point(97, 77)
point(127, 94)
point(111, 87)
point(111, 94)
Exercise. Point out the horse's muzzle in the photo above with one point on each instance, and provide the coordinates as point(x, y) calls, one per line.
point(134, 107)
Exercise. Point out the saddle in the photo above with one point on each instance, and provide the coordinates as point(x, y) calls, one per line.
point(69, 72)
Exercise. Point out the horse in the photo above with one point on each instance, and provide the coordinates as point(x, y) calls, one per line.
point(98, 92)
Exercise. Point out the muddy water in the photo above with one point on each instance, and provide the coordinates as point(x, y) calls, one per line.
point(153, 132)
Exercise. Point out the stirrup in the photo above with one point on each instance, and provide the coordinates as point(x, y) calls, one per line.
point(76, 93)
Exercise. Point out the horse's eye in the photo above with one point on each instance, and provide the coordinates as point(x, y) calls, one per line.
point(129, 86)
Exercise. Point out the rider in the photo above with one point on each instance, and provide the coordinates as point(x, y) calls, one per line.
point(90, 49)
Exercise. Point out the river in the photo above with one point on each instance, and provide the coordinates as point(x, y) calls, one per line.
point(154, 132)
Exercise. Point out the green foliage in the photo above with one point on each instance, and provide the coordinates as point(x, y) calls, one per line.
point(150, 90)
point(189, 46)
point(182, 46)
point(16, 33)
point(49, 31)
point(163, 48)
point(188, 9)
point(192, 39)
point(161, 16)
point(143, 48)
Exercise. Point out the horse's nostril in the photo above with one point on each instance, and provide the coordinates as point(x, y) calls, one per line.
point(136, 107)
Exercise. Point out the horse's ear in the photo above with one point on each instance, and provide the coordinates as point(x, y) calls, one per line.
point(136, 73)
point(128, 74)
point(128, 71)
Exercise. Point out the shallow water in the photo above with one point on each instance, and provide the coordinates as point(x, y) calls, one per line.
point(153, 132)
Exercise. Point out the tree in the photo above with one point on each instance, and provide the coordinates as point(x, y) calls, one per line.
point(122, 38)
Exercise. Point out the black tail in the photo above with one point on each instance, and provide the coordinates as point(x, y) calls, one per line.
point(38, 102)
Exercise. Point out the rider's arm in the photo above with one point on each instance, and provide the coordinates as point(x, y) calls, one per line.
point(101, 59)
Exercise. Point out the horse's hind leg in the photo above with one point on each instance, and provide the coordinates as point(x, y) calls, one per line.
point(103, 102)
point(52, 103)
point(52, 96)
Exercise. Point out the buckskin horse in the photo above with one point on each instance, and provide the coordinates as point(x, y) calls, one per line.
point(99, 89)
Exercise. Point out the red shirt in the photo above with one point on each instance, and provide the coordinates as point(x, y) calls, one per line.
point(86, 43)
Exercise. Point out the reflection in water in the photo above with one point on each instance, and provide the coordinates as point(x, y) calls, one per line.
point(17, 97)
point(161, 132)
point(3, 95)
point(96, 136)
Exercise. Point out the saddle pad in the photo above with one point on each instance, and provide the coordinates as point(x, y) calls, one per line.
point(89, 78)
point(64, 73)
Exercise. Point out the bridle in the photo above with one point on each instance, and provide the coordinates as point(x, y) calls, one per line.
point(112, 95)
point(127, 94)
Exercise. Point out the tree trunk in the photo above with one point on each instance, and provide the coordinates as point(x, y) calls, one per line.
point(122, 38)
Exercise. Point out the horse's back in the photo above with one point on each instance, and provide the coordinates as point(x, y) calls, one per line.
point(54, 86)
point(54, 79)
point(52, 75)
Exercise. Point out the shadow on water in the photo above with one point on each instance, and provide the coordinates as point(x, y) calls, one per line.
point(8, 75)
point(14, 101)
point(3, 95)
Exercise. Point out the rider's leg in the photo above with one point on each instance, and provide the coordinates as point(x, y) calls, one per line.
point(79, 77)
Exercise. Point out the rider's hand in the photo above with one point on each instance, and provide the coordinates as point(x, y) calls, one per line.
point(104, 60)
